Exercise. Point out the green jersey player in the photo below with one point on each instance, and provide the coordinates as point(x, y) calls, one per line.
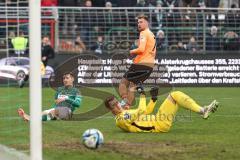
point(67, 99)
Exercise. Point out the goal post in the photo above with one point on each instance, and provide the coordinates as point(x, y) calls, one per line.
point(35, 80)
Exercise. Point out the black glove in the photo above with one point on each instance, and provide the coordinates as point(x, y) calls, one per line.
point(154, 93)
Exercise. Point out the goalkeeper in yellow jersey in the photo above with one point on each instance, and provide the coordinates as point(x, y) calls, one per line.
point(141, 119)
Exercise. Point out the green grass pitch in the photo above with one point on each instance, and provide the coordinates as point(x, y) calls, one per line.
point(191, 137)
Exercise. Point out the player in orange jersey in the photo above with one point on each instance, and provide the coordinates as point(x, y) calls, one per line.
point(142, 65)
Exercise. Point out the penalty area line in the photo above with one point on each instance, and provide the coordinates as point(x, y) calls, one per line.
point(7, 153)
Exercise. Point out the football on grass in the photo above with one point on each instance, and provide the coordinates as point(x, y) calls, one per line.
point(92, 138)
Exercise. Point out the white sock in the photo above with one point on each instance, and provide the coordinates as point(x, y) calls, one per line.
point(202, 110)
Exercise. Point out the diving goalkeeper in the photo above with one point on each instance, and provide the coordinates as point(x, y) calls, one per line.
point(141, 119)
point(67, 99)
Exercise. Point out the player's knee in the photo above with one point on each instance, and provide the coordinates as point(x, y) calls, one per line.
point(132, 86)
point(124, 81)
point(175, 94)
point(53, 113)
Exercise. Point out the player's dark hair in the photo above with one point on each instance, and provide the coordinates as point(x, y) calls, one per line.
point(108, 101)
point(66, 73)
point(21, 33)
point(142, 16)
point(45, 36)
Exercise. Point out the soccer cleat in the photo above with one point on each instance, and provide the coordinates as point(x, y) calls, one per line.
point(124, 104)
point(211, 108)
point(21, 83)
point(154, 93)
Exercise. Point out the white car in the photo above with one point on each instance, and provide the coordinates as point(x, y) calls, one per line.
point(17, 68)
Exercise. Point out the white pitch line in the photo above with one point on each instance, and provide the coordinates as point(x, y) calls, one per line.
point(7, 153)
point(9, 118)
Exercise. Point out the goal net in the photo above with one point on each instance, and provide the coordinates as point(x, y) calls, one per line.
point(13, 19)
point(14, 68)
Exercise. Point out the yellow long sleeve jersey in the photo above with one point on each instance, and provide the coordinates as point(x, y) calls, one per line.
point(140, 119)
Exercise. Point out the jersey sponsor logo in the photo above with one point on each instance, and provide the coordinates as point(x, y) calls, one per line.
point(127, 116)
point(62, 96)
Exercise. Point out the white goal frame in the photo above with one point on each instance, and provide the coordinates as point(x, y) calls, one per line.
point(35, 80)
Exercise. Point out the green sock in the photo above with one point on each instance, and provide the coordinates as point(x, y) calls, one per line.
point(46, 117)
